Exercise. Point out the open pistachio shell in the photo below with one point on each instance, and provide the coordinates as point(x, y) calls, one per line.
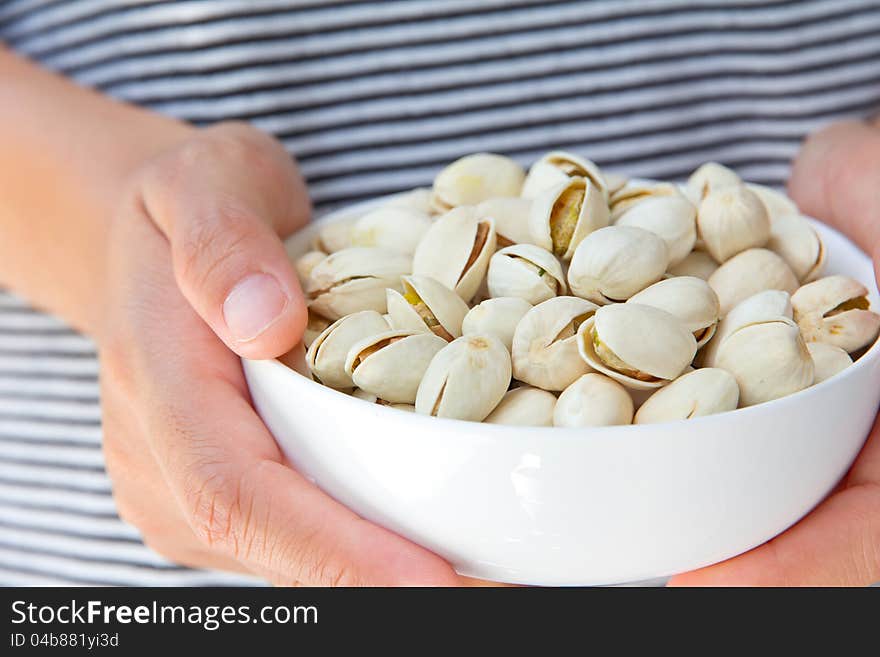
point(466, 379)
point(498, 316)
point(474, 178)
point(558, 166)
point(748, 273)
point(795, 240)
point(836, 310)
point(456, 250)
point(354, 279)
point(418, 200)
point(314, 326)
point(391, 364)
point(525, 407)
point(393, 228)
point(639, 346)
point(696, 263)
point(594, 400)
point(526, 271)
point(672, 218)
point(614, 181)
point(562, 216)
point(426, 305)
point(777, 204)
point(702, 392)
point(544, 350)
point(326, 354)
point(511, 217)
point(708, 177)
point(633, 194)
point(769, 360)
point(306, 263)
point(614, 263)
point(334, 236)
point(688, 298)
point(731, 220)
point(828, 360)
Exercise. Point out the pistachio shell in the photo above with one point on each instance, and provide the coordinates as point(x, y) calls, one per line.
point(731, 220)
point(594, 400)
point(511, 217)
point(614, 263)
point(708, 177)
point(777, 204)
point(354, 279)
point(334, 236)
point(428, 306)
point(768, 360)
point(526, 271)
point(633, 194)
point(835, 309)
point(702, 392)
point(748, 273)
point(314, 326)
point(794, 239)
point(672, 218)
point(418, 199)
point(614, 181)
point(498, 316)
point(525, 407)
point(688, 298)
point(828, 360)
point(391, 364)
point(466, 379)
point(695, 263)
point(326, 354)
point(475, 178)
point(562, 216)
point(639, 346)
point(368, 397)
point(306, 263)
point(456, 250)
point(397, 229)
point(544, 348)
point(558, 166)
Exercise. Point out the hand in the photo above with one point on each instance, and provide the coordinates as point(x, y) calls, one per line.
point(197, 274)
point(835, 178)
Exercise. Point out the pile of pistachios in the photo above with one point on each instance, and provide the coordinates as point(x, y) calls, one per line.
point(568, 296)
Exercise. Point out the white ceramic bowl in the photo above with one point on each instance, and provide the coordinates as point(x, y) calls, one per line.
point(579, 506)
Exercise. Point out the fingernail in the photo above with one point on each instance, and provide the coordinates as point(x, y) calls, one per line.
point(253, 305)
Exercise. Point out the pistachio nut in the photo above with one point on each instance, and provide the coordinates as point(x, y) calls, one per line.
point(777, 204)
point(828, 360)
point(594, 400)
point(836, 310)
point(456, 250)
point(633, 194)
point(688, 298)
point(640, 346)
point(473, 179)
point(511, 217)
point(557, 167)
point(466, 379)
point(702, 392)
point(708, 177)
point(614, 263)
point(335, 235)
point(672, 218)
point(418, 200)
point(306, 263)
point(354, 279)
point(748, 273)
point(314, 326)
point(544, 348)
point(526, 407)
point(695, 263)
point(794, 239)
point(565, 214)
point(426, 305)
point(398, 229)
point(391, 364)
point(769, 360)
point(326, 354)
point(499, 316)
point(731, 220)
point(526, 271)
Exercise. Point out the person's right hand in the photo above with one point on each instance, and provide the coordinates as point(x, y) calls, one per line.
point(196, 275)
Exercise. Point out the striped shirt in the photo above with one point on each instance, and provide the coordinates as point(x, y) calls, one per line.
point(373, 98)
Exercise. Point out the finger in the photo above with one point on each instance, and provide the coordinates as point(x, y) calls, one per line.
point(837, 544)
point(221, 203)
point(836, 178)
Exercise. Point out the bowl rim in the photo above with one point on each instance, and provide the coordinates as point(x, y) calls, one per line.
point(867, 359)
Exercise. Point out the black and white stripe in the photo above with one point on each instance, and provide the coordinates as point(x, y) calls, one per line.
point(373, 97)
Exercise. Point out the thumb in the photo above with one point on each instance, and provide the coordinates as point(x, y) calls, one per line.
point(836, 178)
point(221, 200)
